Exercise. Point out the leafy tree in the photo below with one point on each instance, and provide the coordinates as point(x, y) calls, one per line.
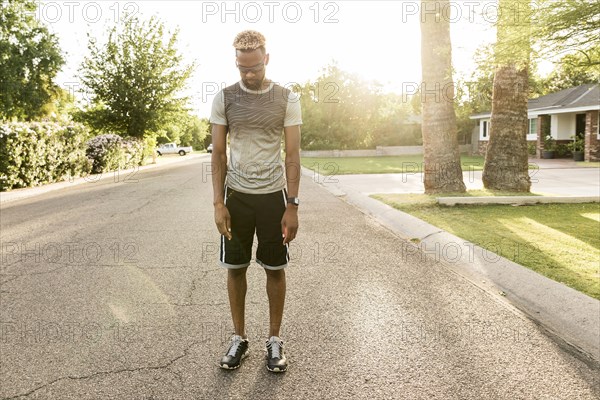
point(60, 107)
point(170, 133)
point(474, 93)
point(476, 90)
point(568, 25)
point(392, 124)
point(506, 160)
point(189, 130)
point(135, 79)
point(338, 110)
point(196, 133)
point(342, 111)
point(30, 58)
point(208, 139)
point(573, 70)
point(441, 156)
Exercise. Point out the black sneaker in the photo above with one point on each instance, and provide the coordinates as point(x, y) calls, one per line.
point(238, 350)
point(276, 361)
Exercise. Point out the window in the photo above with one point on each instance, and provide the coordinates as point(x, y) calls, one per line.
point(533, 126)
point(485, 128)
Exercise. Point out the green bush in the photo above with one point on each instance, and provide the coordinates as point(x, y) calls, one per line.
point(549, 143)
point(531, 148)
point(561, 150)
point(110, 152)
point(149, 148)
point(578, 143)
point(134, 152)
point(35, 153)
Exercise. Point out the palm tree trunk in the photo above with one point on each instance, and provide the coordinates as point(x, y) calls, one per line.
point(506, 161)
point(441, 156)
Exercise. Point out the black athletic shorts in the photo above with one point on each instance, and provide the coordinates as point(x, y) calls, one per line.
point(260, 213)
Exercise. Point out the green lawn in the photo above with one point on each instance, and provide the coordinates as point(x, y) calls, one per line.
point(588, 164)
point(559, 241)
point(381, 164)
point(394, 164)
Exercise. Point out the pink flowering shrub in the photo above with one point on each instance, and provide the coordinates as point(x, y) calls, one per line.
point(110, 152)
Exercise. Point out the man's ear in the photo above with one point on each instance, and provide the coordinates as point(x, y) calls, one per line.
point(267, 59)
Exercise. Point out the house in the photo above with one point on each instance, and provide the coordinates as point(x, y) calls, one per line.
point(562, 114)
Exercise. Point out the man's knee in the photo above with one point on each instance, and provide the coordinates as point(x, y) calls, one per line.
point(275, 274)
point(237, 272)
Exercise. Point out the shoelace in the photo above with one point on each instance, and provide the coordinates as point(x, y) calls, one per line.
point(275, 346)
point(236, 342)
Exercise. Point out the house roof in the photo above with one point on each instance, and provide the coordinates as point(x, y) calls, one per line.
point(583, 96)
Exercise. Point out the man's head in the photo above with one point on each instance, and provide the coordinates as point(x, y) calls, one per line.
point(251, 58)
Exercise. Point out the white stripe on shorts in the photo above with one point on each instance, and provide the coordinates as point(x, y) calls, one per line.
point(223, 236)
point(287, 245)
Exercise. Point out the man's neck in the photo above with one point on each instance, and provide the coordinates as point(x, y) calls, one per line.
point(265, 84)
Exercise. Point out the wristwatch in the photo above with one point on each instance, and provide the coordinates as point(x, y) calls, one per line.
point(293, 200)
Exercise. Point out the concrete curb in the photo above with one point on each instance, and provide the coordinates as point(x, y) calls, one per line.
point(564, 312)
point(451, 201)
point(19, 194)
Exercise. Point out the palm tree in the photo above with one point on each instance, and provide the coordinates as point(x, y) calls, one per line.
point(506, 160)
point(441, 156)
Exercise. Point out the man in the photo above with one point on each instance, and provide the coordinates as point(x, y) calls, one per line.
point(250, 188)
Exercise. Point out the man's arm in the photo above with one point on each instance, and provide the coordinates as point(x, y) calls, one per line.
point(289, 223)
point(292, 159)
point(219, 172)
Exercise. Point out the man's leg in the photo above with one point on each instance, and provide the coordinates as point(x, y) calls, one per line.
point(276, 294)
point(236, 253)
point(273, 255)
point(236, 287)
point(238, 347)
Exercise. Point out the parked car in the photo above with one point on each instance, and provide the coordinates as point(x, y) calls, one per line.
point(209, 148)
point(172, 148)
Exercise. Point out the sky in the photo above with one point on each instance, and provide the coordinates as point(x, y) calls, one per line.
point(379, 40)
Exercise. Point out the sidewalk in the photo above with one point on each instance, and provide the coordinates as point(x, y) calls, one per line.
point(118, 176)
point(545, 181)
point(555, 163)
point(568, 315)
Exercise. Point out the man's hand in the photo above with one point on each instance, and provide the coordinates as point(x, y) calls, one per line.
point(289, 224)
point(223, 220)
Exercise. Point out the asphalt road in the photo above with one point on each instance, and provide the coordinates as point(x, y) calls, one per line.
point(110, 290)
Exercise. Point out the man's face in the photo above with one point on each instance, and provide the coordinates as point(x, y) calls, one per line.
point(252, 67)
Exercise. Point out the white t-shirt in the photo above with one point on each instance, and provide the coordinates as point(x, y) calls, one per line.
point(255, 121)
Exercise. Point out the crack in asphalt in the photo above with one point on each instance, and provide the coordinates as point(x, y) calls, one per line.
point(194, 304)
point(70, 265)
point(192, 289)
point(159, 195)
point(193, 286)
point(118, 371)
point(33, 273)
point(10, 280)
point(188, 302)
point(66, 265)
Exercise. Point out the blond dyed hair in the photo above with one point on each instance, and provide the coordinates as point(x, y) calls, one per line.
point(249, 40)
